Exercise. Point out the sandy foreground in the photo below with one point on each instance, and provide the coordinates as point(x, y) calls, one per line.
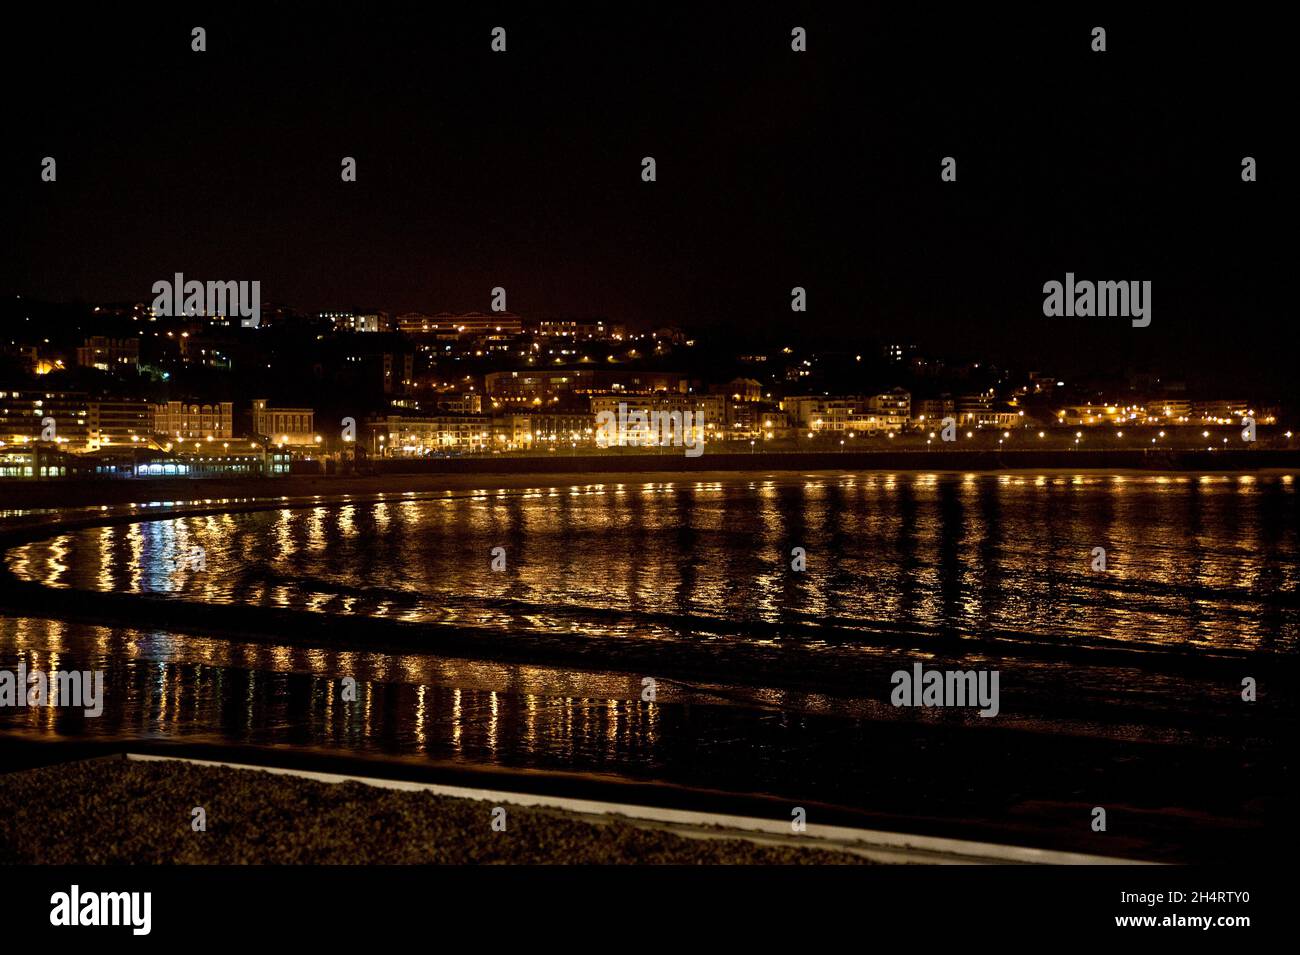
point(116, 812)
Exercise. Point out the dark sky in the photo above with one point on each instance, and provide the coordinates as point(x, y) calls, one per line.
point(774, 168)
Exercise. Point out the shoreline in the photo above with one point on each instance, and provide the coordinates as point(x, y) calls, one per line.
point(400, 476)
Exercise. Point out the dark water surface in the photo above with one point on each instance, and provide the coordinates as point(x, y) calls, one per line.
point(1208, 560)
point(1201, 584)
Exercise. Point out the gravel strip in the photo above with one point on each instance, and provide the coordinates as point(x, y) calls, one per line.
point(118, 812)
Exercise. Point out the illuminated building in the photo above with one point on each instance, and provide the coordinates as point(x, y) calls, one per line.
point(287, 426)
point(187, 421)
point(108, 354)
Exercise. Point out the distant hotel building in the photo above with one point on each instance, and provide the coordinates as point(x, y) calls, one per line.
point(195, 422)
point(889, 411)
point(895, 404)
point(78, 424)
point(419, 435)
point(288, 426)
point(986, 411)
point(740, 389)
point(108, 354)
point(522, 431)
point(753, 420)
point(368, 322)
point(1164, 411)
point(931, 411)
point(575, 330)
point(24, 416)
point(125, 422)
point(709, 412)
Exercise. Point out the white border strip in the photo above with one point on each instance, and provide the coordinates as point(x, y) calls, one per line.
point(874, 843)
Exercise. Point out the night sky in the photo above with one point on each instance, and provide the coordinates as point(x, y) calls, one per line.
point(775, 169)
